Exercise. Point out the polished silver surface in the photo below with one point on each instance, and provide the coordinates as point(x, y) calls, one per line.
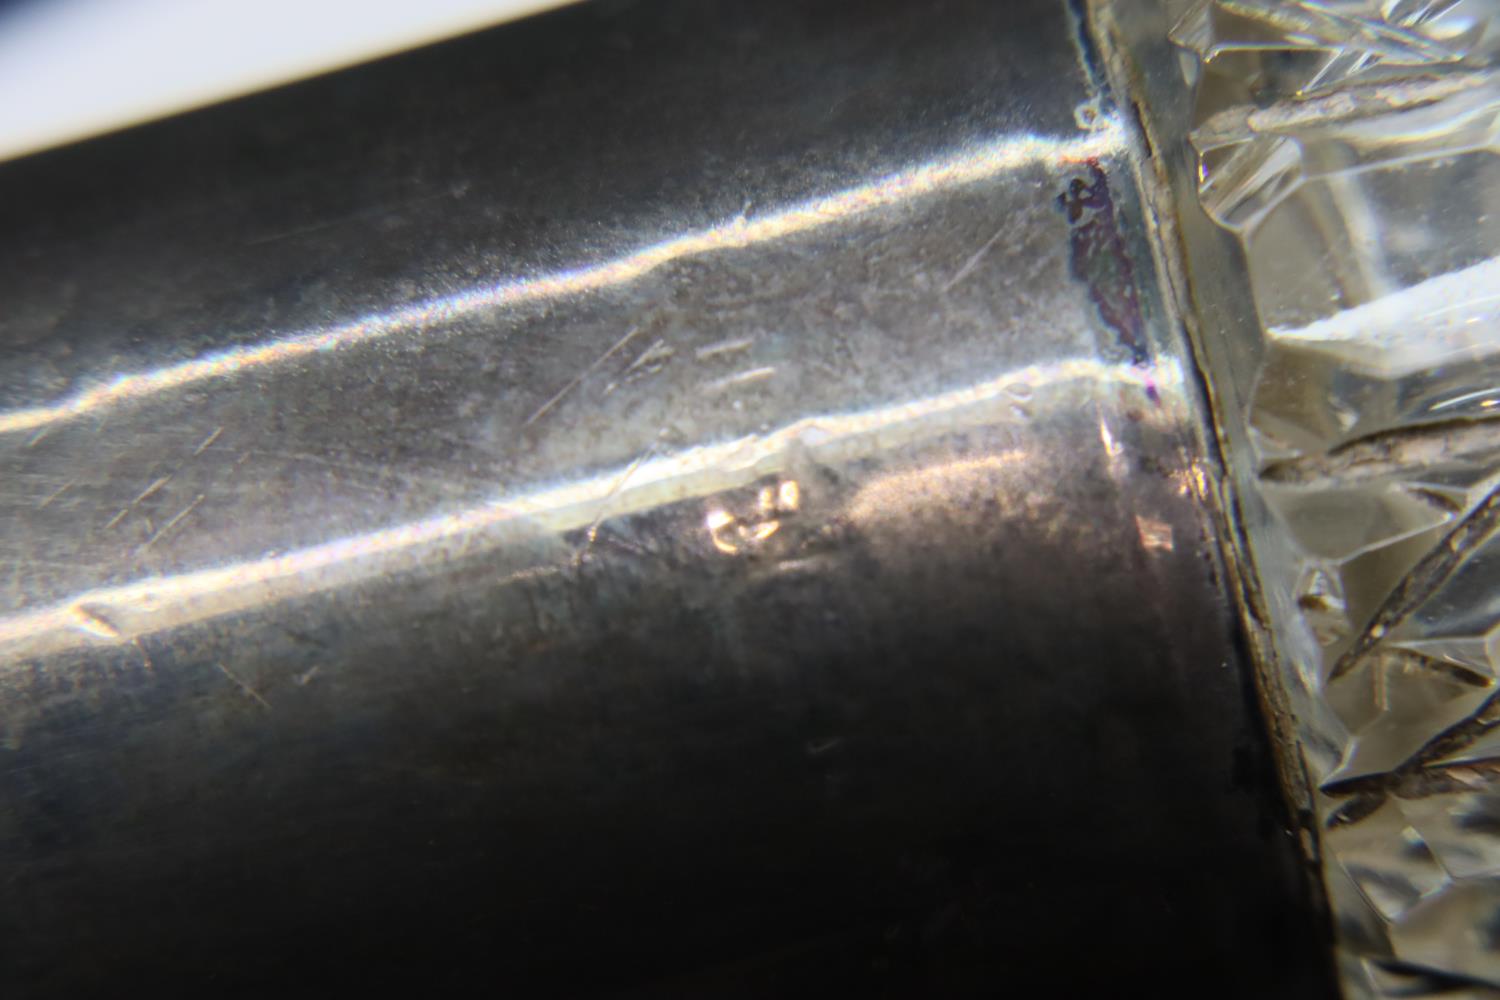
point(647, 490)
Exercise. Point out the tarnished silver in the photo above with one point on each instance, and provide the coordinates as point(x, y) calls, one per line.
point(653, 489)
point(1336, 175)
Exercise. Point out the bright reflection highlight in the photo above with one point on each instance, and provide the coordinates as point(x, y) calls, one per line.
point(902, 495)
point(966, 167)
point(125, 613)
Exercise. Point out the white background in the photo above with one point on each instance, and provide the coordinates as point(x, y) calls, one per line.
point(74, 68)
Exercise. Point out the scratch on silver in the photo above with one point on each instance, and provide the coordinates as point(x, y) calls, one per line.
point(244, 687)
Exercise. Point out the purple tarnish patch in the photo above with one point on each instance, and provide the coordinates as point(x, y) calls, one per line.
point(1100, 260)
